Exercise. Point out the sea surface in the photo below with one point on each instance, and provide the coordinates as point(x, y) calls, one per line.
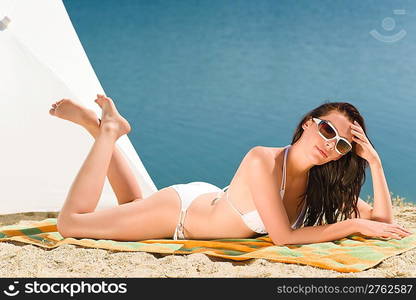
point(202, 82)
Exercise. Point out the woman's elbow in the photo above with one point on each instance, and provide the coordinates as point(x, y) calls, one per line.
point(383, 219)
point(390, 221)
point(280, 241)
point(282, 237)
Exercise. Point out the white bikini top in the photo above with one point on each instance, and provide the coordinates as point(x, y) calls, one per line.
point(252, 218)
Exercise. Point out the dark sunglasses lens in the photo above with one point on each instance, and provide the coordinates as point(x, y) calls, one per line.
point(343, 146)
point(326, 130)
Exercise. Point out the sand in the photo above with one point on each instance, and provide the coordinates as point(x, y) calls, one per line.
point(22, 260)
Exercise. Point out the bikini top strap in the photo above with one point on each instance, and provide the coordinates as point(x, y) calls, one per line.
point(283, 185)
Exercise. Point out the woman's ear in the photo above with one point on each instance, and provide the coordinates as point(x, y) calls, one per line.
point(306, 124)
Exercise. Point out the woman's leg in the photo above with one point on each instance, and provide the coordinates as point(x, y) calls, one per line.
point(150, 218)
point(119, 174)
point(89, 181)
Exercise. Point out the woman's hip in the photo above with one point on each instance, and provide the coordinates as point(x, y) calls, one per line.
point(192, 197)
point(188, 192)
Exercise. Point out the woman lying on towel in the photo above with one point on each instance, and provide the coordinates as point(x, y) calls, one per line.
point(305, 192)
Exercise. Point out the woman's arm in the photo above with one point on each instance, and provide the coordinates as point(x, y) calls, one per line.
point(331, 232)
point(382, 209)
point(382, 201)
point(322, 233)
point(262, 173)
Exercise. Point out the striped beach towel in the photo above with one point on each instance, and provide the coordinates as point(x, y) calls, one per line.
point(351, 254)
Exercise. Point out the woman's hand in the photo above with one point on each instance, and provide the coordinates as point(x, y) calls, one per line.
point(363, 148)
point(381, 229)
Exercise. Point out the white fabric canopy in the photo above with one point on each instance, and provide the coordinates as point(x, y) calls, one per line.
point(42, 61)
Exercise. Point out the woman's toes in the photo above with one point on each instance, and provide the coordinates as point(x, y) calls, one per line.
point(106, 103)
point(99, 101)
point(111, 103)
point(57, 103)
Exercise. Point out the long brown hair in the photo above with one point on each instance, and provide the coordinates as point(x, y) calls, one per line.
point(334, 187)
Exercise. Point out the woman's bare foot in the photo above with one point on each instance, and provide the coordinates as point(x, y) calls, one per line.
point(111, 120)
point(70, 110)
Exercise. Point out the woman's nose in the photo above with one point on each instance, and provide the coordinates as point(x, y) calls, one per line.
point(331, 144)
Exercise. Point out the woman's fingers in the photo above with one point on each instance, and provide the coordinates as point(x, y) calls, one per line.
point(396, 232)
point(399, 233)
point(403, 232)
point(359, 135)
point(397, 237)
point(402, 229)
point(356, 127)
point(359, 132)
point(390, 234)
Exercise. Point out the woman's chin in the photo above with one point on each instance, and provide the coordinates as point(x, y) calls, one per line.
point(317, 158)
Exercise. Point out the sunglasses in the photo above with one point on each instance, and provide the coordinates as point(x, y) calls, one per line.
point(328, 132)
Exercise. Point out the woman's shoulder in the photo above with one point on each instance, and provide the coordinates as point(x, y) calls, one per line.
point(265, 154)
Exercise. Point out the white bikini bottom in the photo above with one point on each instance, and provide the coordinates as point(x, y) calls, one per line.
point(187, 193)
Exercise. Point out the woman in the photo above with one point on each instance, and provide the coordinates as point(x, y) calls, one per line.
point(315, 182)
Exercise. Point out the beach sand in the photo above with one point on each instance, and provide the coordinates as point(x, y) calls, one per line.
point(22, 260)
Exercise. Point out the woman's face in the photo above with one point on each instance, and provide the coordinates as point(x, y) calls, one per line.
point(313, 140)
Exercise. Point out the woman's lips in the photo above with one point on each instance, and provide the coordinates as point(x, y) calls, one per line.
point(320, 151)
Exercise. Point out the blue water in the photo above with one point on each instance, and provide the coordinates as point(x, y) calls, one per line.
point(202, 82)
